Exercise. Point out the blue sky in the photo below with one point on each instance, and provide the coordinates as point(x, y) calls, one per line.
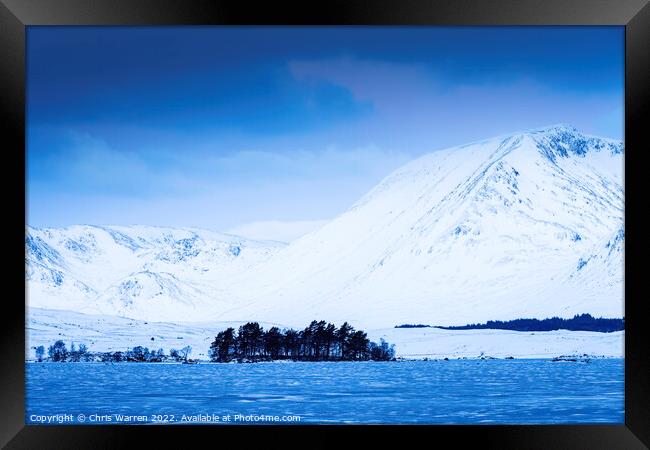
point(220, 127)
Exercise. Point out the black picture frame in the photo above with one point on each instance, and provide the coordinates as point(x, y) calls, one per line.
point(15, 15)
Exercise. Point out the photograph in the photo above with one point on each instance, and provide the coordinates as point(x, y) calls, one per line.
point(325, 225)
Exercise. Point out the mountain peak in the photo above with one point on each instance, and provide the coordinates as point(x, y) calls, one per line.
point(563, 141)
point(553, 129)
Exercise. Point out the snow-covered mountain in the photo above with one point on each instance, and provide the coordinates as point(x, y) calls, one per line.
point(145, 272)
point(524, 225)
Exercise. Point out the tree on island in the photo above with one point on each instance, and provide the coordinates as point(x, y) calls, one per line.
point(77, 355)
point(291, 343)
point(223, 348)
point(160, 355)
point(359, 343)
point(40, 352)
point(342, 337)
point(273, 342)
point(137, 354)
point(113, 357)
point(185, 352)
point(318, 331)
point(382, 352)
point(249, 339)
point(58, 352)
point(329, 336)
point(306, 338)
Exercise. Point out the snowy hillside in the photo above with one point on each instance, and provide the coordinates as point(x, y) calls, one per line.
point(524, 225)
point(146, 272)
point(529, 224)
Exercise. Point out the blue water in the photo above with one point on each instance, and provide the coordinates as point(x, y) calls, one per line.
point(424, 392)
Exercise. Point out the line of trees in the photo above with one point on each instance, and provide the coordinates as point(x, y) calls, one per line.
point(319, 341)
point(579, 322)
point(58, 352)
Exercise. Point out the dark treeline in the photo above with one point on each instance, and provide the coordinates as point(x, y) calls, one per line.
point(579, 322)
point(320, 341)
point(59, 353)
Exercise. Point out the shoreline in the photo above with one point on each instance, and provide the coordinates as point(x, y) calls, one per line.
point(559, 358)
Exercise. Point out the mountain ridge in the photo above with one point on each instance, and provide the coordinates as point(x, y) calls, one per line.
point(501, 226)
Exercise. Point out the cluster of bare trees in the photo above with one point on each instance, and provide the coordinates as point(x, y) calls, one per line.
point(58, 352)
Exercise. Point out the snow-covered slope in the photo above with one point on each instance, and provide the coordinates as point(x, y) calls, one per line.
point(524, 225)
point(146, 272)
point(495, 229)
